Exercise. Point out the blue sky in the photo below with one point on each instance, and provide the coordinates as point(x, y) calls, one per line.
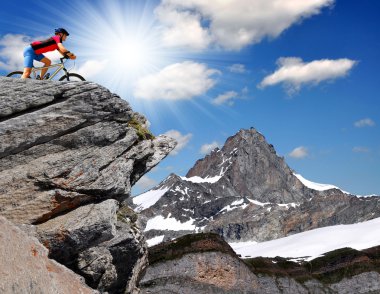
point(303, 73)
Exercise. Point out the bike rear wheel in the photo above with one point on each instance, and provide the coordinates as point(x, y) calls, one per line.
point(15, 74)
point(72, 77)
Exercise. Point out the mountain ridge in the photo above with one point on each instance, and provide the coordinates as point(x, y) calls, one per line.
point(245, 191)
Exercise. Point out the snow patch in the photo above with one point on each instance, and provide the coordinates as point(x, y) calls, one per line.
point(200, 229)
point(314, 243)
point(155, 240)
point(367, 196)
point(197, 179)
point(287, 205)
point(169, 223)
point(148, 199)
point(236, 204)
point(315, 186)
point(258, 202)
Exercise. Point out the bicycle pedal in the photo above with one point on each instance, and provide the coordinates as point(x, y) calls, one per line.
point(47, 76)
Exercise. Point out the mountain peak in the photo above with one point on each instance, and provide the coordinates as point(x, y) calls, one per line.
point(218, 161)
point(252, 167)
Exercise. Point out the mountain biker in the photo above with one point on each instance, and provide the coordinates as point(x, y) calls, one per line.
point(35, 49)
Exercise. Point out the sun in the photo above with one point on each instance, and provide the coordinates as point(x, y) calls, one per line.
point(120, 42)
point(130, 54)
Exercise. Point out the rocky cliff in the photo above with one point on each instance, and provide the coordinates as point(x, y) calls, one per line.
point(204, 263)
point(69, 154)
point(245, 191)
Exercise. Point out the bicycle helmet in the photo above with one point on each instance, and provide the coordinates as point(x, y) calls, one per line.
point(62, 30)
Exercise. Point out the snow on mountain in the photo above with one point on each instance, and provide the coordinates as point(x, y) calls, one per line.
point(234, 205)
point(155, 240)
point(245, 191)
point(197, 179)
point(169, 223)
point(315, 186)
point(314, 243)
point(147, 199)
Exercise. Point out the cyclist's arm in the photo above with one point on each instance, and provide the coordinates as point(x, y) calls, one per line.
point(64, 51)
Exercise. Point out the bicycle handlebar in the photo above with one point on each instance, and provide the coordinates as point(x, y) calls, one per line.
point(64, 57)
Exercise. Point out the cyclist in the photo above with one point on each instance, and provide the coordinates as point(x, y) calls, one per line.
point(35, 49)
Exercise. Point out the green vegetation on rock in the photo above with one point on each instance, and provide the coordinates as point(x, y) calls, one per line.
point(126, 213)
point(342, 263)
point(143, 133)
point(329, 269)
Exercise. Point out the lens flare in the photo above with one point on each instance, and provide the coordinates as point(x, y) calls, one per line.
point(120, 42)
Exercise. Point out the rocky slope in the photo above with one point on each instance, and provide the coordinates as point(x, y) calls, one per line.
point(244, 191)
point(69, 154)
point(204, 263)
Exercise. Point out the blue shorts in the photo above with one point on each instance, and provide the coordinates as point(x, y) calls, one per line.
point(30, 55)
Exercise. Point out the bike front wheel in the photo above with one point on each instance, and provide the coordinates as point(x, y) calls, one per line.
point(15, 74)
point(72, 77)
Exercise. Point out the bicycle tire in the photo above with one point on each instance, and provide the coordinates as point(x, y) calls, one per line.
point(15, 74)
point(72, 77)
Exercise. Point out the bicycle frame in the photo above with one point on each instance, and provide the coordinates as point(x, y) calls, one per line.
point(59, 66)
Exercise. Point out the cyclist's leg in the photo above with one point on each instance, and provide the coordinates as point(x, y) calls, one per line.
point(28, 62)
point(46, 61)
point(27, 72)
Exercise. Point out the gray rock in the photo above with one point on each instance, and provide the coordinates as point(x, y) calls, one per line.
point(216, 272)
point(69, 154)
point(367, 283)
point(87, 226)
point(116, 265)
point(68, 138)
point(209, 272)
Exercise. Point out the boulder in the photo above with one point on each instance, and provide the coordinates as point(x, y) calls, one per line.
point(26, 268)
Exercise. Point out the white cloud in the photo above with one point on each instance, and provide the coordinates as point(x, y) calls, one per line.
point(237, 68)
point(207, 148)
point(11, 51)
point(365, 122)
point(91, 68)
point(146, 183)
point(182, 140)
point(360, 149)
point(299, 152)
point(177, 81)
point(230, 24)
point(182, 28)
point(293, 73)
point(225, 98)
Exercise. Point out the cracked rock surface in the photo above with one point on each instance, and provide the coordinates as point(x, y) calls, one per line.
point(69, 154)
point(66, 144)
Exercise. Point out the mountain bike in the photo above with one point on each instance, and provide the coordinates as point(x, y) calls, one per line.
point(68, 76)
